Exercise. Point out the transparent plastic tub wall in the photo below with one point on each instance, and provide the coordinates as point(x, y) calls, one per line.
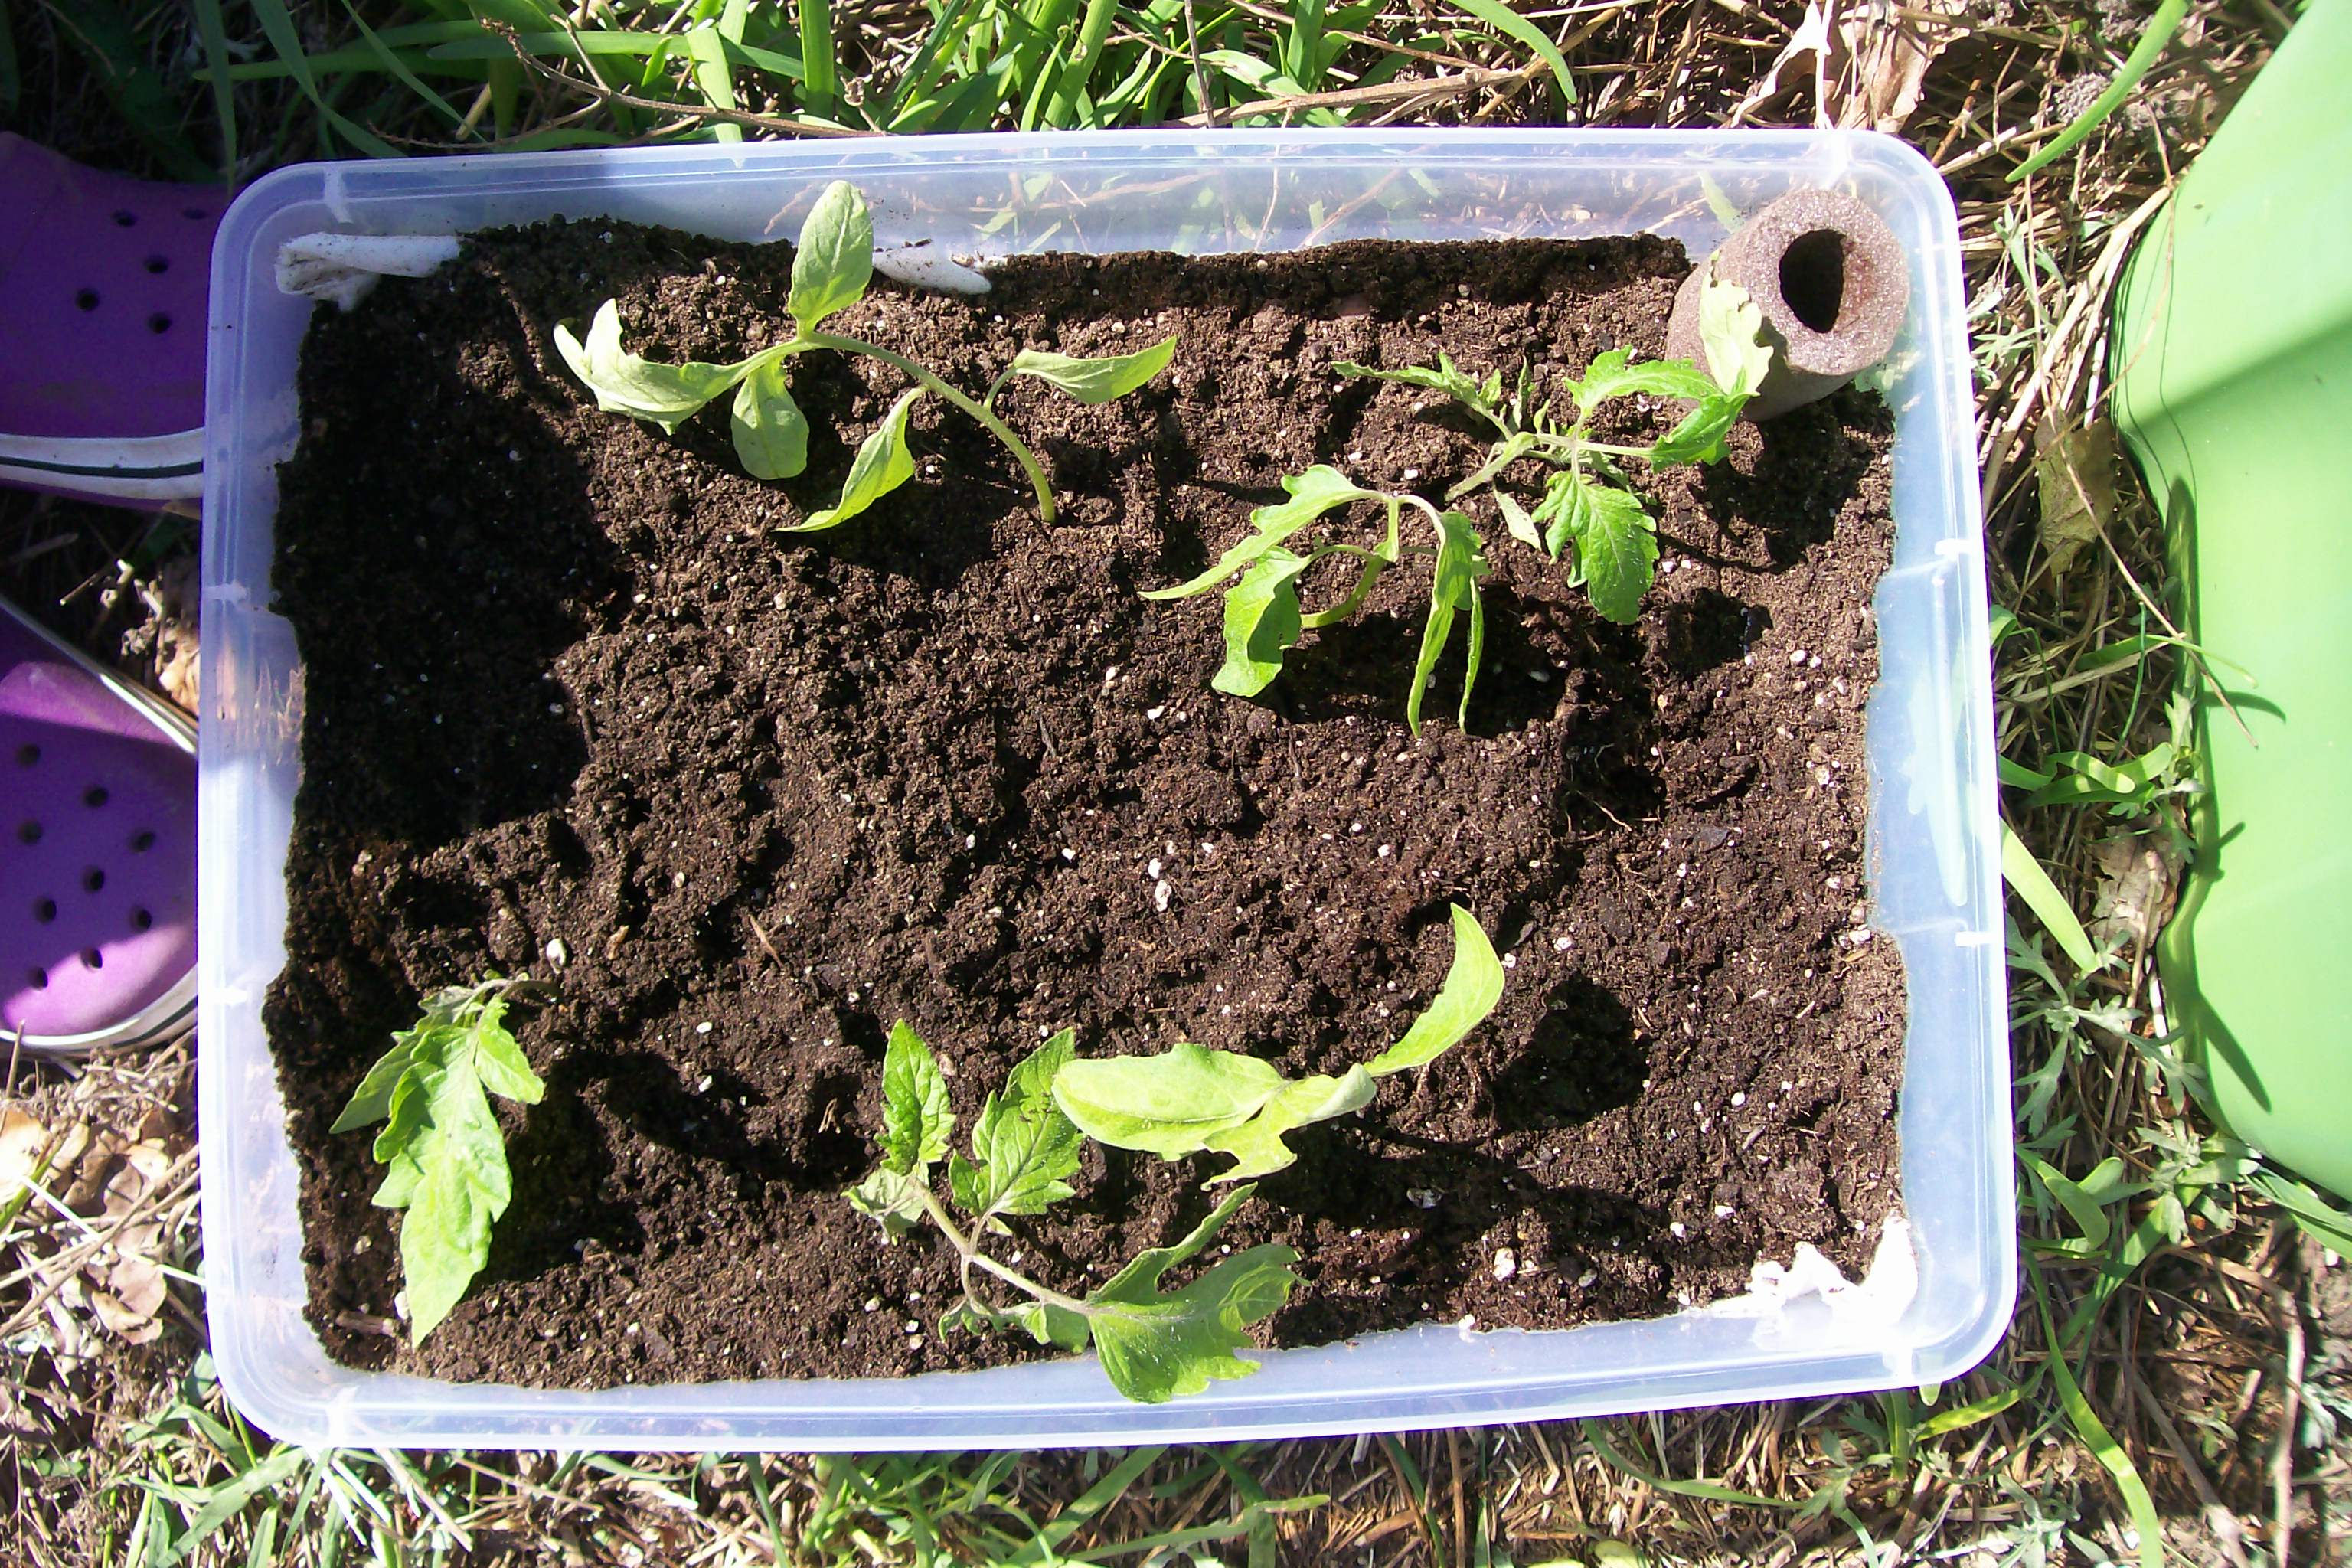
point(1932, 823)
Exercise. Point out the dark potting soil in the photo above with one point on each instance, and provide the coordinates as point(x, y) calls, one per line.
point(567, 693)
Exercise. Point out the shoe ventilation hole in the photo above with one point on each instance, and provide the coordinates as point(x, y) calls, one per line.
point(192, 212)
point(159, 323)
point(95, 796)
point(46, 911)
point(92, 959)
point(27, 755)
point(87, 300)
point(141, 919)
point(28, 832)
point(125, 219)
point(159, 264)
point(141, 842)
point(40, 979)
point(93, 879)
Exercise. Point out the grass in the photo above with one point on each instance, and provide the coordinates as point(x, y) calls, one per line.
point(2164, 1388)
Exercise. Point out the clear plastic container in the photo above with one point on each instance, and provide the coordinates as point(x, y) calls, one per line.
point(1933, 829)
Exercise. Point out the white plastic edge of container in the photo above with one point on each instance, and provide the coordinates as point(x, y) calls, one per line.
point(1935, 884)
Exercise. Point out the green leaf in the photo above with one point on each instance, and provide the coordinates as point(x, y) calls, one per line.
point(1474, 983)
point(1051, 1325)
point(443, 1153)
point(2024, 874)
point(1616, 545)
point(1700, 436)
point(1262, 623)
point(1454, 585)
point(1731, 332)
point(1614, 376)
point(1517, 519)
point(1156, 1346)
point(1312, 493)
point(1026, 1148)
point(1484, 396)
point(1095, 380)
point(1170, 1104)
point(916, 1120)
point(890, 1198)
point(444, 1239)
point(666, 394)
point(834, 261)
point(372, 1102)
point(770, 432)
point(1256, 1144)
point(883, 463)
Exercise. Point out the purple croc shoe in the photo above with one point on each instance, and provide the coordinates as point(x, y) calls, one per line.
point(98, 852)
point(102, 291)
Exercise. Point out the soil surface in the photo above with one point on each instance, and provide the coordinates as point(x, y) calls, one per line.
point(566, 686)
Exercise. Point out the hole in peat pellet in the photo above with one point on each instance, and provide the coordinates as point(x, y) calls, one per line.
point(1812, 278)
point(45, 909)
point(93, 879)
point(94, 796)
point(141, 919)
point(143, 841)
point(92, 959)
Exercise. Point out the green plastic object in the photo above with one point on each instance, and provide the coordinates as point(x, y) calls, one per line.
point(2232, 352)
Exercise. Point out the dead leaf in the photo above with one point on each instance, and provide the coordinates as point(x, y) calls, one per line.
point(1870, 65)
point(1884, 51)
point(2076, 471)
point(22, 1139)
point(92, 1166)
point(126, 1324)
point(2138, 875)
point(1810, 37)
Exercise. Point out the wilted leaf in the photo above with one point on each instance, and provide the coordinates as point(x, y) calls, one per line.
point(2076, 471)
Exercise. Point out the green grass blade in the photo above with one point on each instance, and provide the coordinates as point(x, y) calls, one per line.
point(819, 80)
point(1961, 1417)
point(2160, 28)
point(1503, 19)
point(2025, 876)
point(114, 50)
point(2095, 1436)
point(1071, 82)
point(2084, 1209)
point(1707, 1490)
point(583, 46)
point(390, 61)
point(1097, 1498)
point(216, 41)
point(228, 1500)
point(713, 78)
point(278, 27)
point(2328, 1225)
